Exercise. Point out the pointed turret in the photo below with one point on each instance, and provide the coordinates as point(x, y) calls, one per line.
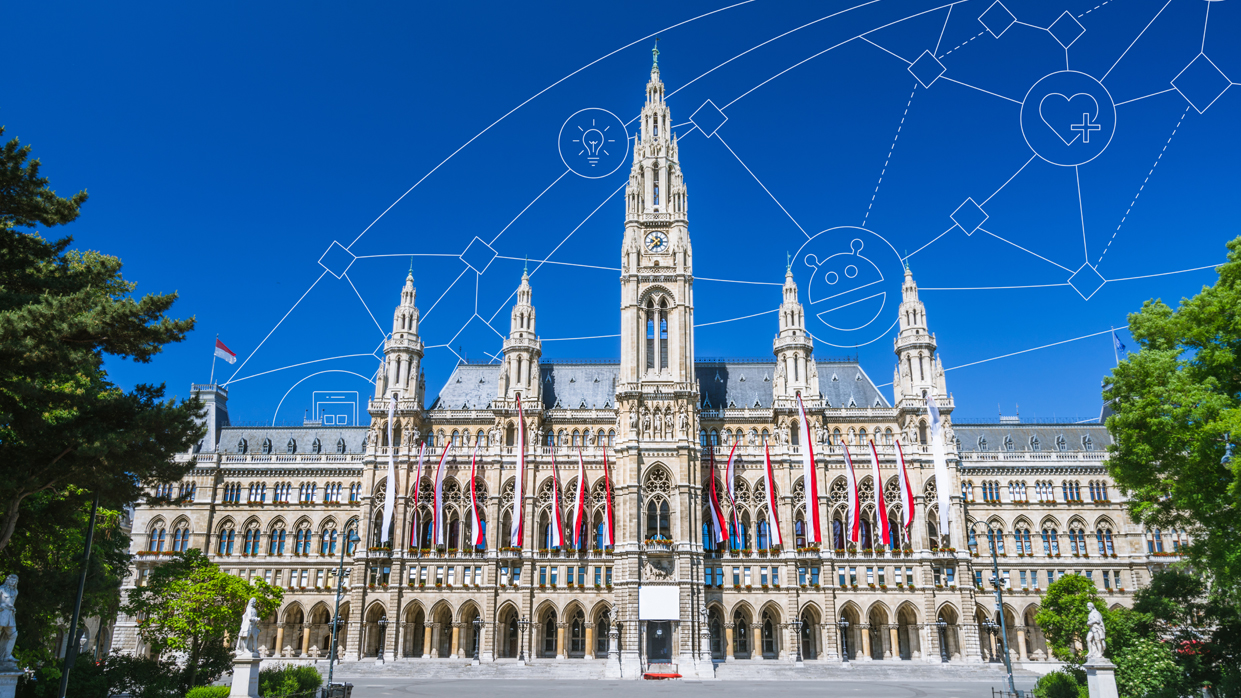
point(918, 368)
point(522, 349)
point(401, 374)
point(796, 372)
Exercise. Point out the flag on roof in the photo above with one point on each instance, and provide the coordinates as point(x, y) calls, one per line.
point(224, 352)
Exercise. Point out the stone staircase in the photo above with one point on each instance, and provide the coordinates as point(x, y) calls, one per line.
point(573, 669)
point(759, 670)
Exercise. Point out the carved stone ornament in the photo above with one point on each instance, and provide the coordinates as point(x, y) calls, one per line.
point(659, 570)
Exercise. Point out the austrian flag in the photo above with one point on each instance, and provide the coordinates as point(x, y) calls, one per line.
point(224, 352)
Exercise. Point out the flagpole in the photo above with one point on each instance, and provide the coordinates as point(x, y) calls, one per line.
point(213, 358)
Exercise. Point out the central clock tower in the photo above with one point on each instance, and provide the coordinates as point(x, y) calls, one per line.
point(657, 307)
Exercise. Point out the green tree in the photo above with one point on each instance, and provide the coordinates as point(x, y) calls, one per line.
point(1176, 407)
point(190, 605)
point(1063, 614)
point(1146, 668)
point(47, 554)
point(62, 311)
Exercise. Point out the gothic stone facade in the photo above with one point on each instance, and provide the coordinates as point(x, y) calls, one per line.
point(275, 503)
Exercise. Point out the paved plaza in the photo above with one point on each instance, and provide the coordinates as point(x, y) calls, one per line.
point(377, 687)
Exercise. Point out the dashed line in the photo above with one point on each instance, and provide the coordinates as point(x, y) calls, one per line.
point(1148, 178)
point(890, 151)
point(1093, 8)
point(966, 42)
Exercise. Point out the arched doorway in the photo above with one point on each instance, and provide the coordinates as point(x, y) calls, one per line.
point(878, 636)
point(415, 627)
point(770, 630)
point(908, 642)
point(371, 637)
point(602, 626)
point(443, 623)
point(577, 634)
point(851, 638)
point(716, 626)
point(948, 638)
point(547, 634)
point(809, 635)
point(294, 619)
point(508, 635)
point(741, 635)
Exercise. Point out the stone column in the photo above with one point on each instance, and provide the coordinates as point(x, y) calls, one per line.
point(426, 640)
point(305, 640)
point(728, 642)
point(756, 638)
point(864, 631)
point(456, 641)
point(894, 649)
point(590, 641)
point(560, 653)
point(1021, 642)
point(279, 639)
point(402, 636)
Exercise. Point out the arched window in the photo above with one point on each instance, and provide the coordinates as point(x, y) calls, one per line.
point(1051, 542)
point(1021, 537)
point(250, 543)
point(972, 541)
point(180, 538)
point(794, 434)
point(887, 437)
point(276, 540)
point(995, 541)
point(764, 534)
point(351, 546)
point(227, 538)
point(327, 541)
point(663, 335)
point(156, 544)
point(1077, 540)
point(650, 335)
point(1104, 538)
point(657, 520)
point(799, 531)
point(922, 433)
point(611, 437)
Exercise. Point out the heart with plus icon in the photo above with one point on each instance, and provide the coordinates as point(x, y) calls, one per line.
point(1070, 118)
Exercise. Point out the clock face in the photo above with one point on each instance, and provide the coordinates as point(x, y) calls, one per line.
point(656, 241)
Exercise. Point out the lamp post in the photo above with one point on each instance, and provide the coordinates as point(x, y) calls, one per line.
point(991, 628)
point(942, 625)
point(993, 536)
point(844, 639)
point(350, 537)
point(523, 624)
point(383, 628)
point(797, 626)
point(478, 624)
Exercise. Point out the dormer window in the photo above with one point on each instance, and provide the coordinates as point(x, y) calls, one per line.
point(1008, 442)
point(1061, 443)
point(316, 447)
point(1087, 443)
point(241, 445)
point(1035, 444)
point(267, 447)
point(340, 445)
point(291, 447)
point(982, 443)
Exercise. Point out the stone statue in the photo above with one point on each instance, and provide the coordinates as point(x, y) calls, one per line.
point(1096, 635)
point(753, 436)
point(248, 636)
point(413, 438)
point(590, 439)
point(372, 438)
point(503, 380)
point(633, 419)
point(407, 437)
point(668, 424)
point(8, 623)
point(684, 421)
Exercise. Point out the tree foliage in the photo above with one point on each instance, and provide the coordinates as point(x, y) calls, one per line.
point(48, 559)
point(1175, 403)
point(190, 605)
point(62, 311)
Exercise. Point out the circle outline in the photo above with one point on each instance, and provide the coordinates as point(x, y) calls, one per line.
point(895, 321)
point(1021, 117)
point(560, 137)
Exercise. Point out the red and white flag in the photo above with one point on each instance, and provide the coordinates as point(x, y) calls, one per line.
point(519, 506)
point(810, 481)
point(907, 492)
point(881, 508)
point(224, 352)
point(439, 530)
point(717, 514)
point(855, 504)
point(417, 484)
point(608, 540)
point(730, 487)
point(476, 523)
point(557, 537)
point(579, 502)
point(774, 524)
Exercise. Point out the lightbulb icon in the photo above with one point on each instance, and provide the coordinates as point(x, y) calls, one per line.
point(592, 140)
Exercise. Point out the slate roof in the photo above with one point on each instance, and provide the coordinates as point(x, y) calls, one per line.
point(304, 437)
point(1073, 434)
point(724, 383)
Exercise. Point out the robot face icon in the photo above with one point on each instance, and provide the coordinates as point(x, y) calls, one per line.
point(848, 290)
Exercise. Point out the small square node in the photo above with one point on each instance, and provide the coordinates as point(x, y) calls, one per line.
point(997, 19)
point(1086, 281)
point(969, 216)
point(1201, 82)
point(478, 255)
point(337, 259)
point(708, 118)
point(1066, 29)
point(927, 69)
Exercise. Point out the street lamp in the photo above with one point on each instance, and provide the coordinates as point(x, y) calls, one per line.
point(797, 626)
point(993, 539)
point(943, 640)
point(523, 624)
point(350, 537)
point(844, 639)
point(383, 627)
point(992, 629)
point(478, 624)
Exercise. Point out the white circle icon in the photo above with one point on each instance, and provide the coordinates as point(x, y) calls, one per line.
point(593, 143)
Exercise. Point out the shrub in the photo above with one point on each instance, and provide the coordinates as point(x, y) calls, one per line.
point(209, 692)
point(289, 680)
point(1146, 668)
point(1059, 684)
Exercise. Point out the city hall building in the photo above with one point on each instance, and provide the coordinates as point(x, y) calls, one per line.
point(279, 503)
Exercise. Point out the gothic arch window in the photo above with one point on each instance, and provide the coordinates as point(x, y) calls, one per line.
point(1103, 535)
point(650, 335)
point(1051, 542)
point(887, 437)
point(1077, 539)
point(250, 541)
point(663, 335)
point(922, 433)
point(658, 519)
point(276, 539)
point(181, 537)
point(611, 437)
point(156, 538)
point(1021, 537)
point(226, 537)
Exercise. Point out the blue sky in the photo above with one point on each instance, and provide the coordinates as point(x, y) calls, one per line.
point(226, 147)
